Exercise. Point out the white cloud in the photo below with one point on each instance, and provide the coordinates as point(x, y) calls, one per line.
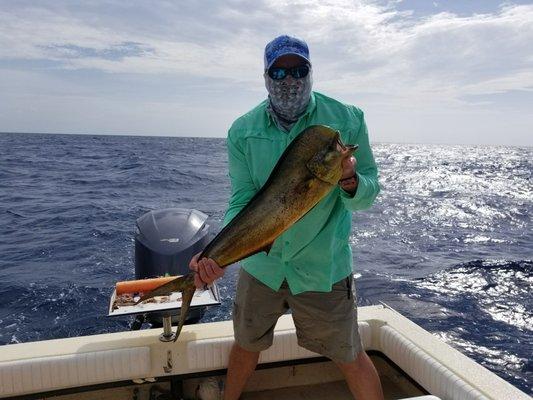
point(385, 45)
point(440, 58)
point(362, 50)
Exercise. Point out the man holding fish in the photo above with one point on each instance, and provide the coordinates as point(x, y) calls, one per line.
point(309, 267)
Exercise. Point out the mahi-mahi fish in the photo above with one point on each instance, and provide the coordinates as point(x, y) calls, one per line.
point(306, 172)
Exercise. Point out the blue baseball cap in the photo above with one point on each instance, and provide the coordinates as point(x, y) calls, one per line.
point(283, 45)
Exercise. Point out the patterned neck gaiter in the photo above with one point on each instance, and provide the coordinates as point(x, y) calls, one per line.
point(288, 99)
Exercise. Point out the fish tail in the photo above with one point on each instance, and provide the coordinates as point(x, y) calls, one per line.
point(186, 298)
point(180, 284)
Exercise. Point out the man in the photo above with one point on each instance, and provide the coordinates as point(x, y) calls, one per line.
point(309, 268)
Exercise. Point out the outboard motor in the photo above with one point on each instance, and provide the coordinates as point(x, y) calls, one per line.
point(165, 241)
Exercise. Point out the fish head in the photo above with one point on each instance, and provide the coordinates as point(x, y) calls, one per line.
point(326, 164)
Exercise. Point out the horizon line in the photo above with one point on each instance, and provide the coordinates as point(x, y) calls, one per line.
point(224, 137)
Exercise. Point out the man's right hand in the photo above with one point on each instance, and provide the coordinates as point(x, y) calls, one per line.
point(207, 271)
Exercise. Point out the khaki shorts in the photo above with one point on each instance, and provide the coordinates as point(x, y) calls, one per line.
point(326, 322)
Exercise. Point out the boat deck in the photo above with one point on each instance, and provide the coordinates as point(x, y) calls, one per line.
point(324, 381)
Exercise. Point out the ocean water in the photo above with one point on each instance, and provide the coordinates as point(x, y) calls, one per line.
point(448, 243)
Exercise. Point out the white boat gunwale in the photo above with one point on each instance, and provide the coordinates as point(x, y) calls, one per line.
point(487, 383)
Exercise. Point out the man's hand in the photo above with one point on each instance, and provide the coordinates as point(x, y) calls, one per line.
point(348, 180)
point(207, 271)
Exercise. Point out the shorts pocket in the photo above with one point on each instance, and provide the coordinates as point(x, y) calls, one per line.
point(344, 286)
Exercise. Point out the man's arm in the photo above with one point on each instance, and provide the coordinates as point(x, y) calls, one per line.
point(242, 186)
point(366, 171)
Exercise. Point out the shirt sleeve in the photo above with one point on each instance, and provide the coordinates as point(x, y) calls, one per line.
point(367, 174)
point(242, 186)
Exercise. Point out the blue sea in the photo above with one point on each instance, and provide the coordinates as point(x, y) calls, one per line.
point(449, 242)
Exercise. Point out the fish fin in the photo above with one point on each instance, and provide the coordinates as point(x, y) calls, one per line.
point(186, 298)
point(164, 290)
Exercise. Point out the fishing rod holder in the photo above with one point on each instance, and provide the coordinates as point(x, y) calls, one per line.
point(168, 335)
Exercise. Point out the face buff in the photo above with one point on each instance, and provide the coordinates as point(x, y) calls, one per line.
point(288, 99)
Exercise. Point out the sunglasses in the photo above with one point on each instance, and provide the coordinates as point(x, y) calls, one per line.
point(279, 73)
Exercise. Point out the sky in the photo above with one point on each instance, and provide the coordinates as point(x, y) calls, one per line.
point(458, 72)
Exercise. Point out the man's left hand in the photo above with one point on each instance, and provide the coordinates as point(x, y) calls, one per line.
point(348, 180)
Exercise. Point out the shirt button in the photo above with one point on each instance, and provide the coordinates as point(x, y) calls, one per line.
point(286, 263)
point(286, 243)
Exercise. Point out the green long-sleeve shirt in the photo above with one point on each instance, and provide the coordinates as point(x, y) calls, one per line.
point(315, 252)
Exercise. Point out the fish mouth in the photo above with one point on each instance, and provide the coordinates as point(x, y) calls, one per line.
point(345, 149)
point(351, 147)
point(339, 141)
